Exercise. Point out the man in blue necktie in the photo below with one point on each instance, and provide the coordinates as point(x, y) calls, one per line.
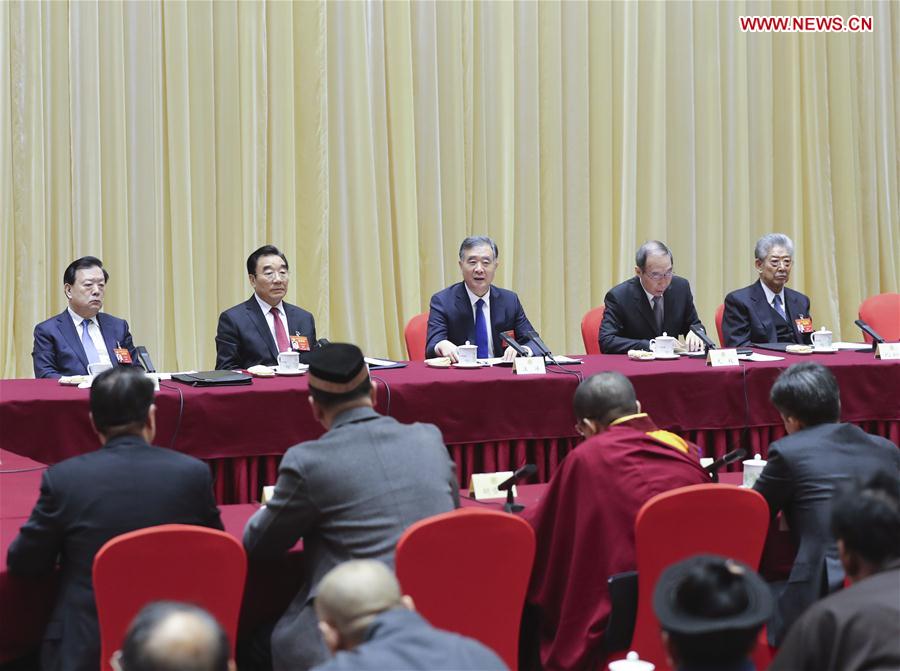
point(81, 335)
point(474, 311)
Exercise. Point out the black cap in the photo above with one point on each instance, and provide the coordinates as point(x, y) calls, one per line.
point(674, 617)
point(337, 368)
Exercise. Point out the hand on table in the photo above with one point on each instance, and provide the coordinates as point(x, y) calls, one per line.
point(692, 342)
point(447, 349)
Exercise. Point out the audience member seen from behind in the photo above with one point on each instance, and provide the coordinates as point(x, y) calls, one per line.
point(649, 304)
point(81, 334)
point(476, 311)
point(368, 625)
point(710, 610)
point(857, 628)
point(767, 311)
point(802, 472)
point(349, 494)
point(172, 636)
point(584, 524)
point(87, 500)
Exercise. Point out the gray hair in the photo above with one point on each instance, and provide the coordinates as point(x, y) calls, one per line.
point(648, 248)
point(477, 241)
point(765, 243)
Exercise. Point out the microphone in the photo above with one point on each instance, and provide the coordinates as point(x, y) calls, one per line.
point(143, 357)
point(525, 472)
point(321, 342)
point(521, 351)
point(724, 460)
point(698, 330)
point(876, 339)
point(544, 350)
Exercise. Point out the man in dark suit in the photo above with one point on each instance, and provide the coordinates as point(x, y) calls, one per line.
point(81, 334)
point(651, 303)
point(801, 475)
point(350, 494)
point(87, 500)
point(257, 330)
point(767, 311)
point(474, 310)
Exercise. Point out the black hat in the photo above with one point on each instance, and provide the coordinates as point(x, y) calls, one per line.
point(337, 368)
point(669, 596)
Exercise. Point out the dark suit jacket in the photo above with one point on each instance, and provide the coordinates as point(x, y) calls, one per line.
point(800, 477)
point(84, 502)
point(628, 321)
point(243, 338)
point(450, 318)
point(58, 350)
point(748, 316)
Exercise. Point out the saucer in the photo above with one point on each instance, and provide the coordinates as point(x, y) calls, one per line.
point(667, 357)
point(283, 371)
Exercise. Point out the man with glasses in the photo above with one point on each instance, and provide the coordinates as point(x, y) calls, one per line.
point(767, 311)
point(584, 523)
point(649, 304)
point(257, 330)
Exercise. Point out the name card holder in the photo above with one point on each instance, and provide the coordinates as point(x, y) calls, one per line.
point(268, 493)
point(529, 365)
point(484, 485)
point(722, 357)
point(888, 350)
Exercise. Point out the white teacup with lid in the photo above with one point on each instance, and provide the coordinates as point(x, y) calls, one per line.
point(663, 345)
point(822, 339)
point(752, 468)
point(468, 354)
point(631, 663)
point(289, 361)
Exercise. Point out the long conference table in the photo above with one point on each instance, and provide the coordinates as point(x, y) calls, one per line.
point(491, 419)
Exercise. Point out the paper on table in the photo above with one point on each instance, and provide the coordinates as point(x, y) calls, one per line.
point(756, 356)
point(565, 359)
point(852, 345)
point(379, 362)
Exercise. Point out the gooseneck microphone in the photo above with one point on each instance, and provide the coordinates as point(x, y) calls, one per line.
point(700, 332)
point(525, 472)
point(724, 460)
point(143, 357)
point(876, 339)
point(544, 350)
point(512, 342)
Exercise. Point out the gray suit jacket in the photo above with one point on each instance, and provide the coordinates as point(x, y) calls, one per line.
point(801, 475)
point(348, 495)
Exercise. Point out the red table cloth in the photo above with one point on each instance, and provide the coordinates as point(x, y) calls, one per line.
point(491, 419)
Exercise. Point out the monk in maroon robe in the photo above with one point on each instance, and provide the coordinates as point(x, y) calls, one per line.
point(584, 523)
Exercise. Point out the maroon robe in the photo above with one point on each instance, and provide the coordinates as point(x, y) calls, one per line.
point(584, 526)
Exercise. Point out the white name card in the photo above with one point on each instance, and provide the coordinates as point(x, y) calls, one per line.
point(484, 485)
point(268, 493)
point(888, 350)
point(722, 357)
point(529, 365)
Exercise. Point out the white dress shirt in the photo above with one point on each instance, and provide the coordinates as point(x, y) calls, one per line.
point(486, 309)
point(94, 332)
point(270, 318)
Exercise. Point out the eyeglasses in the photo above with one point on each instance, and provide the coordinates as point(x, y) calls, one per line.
point(272, 274)
point(656, 277)
point(778, 263)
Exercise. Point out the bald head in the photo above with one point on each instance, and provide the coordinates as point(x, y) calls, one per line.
point(352, 594)
point(170, 636)
point(605, 397)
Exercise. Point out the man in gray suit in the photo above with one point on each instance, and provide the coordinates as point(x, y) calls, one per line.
point(801, 475)
point(348, 495)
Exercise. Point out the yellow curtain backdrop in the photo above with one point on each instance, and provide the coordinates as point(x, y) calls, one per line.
point(367, 139)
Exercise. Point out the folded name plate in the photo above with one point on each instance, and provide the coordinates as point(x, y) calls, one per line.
point(484, 485)
point(722, 357)
point(888, 350)
point(268, 493)
point(529, 365)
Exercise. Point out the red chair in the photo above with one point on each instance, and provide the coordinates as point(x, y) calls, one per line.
point(720, 311)
point(468, 572)
point(725, 520)
point(882, 313)
point(590, 329)
point(414, 334)
point(174, 562)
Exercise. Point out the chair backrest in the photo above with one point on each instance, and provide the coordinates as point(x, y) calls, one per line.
point(720, 311)
point(882, 313)
point(414, 334)
point(590, 329)
point(468, 572)
point(699, 519)
point(173, 562)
